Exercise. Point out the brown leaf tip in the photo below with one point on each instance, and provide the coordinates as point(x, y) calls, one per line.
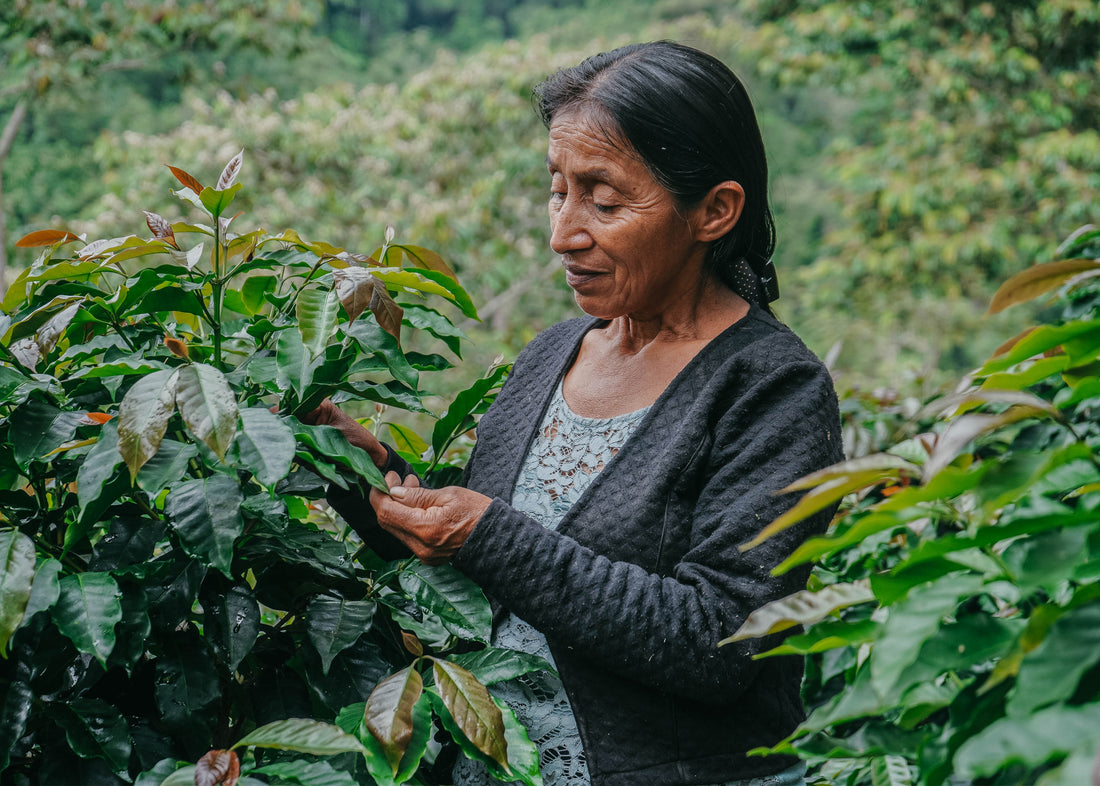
point(218, 768)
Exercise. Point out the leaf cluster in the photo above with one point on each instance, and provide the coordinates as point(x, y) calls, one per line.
point(952, 623)
point(172, 587)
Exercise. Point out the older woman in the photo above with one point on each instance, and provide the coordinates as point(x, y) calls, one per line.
point(631, 451)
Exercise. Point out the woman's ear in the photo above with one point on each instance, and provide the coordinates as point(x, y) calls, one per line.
point(719, 211)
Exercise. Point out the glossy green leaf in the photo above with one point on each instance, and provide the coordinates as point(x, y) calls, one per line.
point(1051, 672)
point(15, 707)
point(266, 445)
point(890, 771)
point(232, 623)
point(208, 406)
point(458, 417)
point(93, 478)
point(407, 443)
point(449, 594)
point(388, 714)
point(166, 466)
point(428, 319)
point(333, 624)
point(45, 589)
point(802, 608)
point(1031, 741)
point(826, 636)
point(817, 548)
point(143, 417)
point(1037, 341)
point(912, 621)
point(10, 380)
point(332, 444)
point(16, 577)
point(494, 664)
point(87, 611)
point(37, 428)
point(306, 773)
point(95, 729)
point(475, 714)
point(186, 680)
point(428, 282)
point(1077, 769)
point(375, 341)
point(216, 201)
point(302, 736)
point(964, 430)
point(292, 362)
point(317, 310)
point(206, 514)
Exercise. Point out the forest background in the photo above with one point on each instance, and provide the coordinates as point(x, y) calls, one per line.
point(920, 153)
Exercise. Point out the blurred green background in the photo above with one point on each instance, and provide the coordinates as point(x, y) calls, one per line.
point(920, 152)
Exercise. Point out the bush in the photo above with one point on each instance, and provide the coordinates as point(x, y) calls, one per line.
point(173, 590)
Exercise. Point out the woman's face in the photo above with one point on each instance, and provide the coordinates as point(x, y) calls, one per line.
point(627, 248)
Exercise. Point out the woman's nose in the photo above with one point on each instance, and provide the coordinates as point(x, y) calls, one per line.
point(568, 230)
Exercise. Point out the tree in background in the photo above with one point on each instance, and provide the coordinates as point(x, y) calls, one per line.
point(62, 48)
point(972, 150)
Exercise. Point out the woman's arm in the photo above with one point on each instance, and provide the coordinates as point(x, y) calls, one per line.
point(662, 630)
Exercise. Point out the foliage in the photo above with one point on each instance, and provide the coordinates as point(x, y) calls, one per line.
point(972, 147)
point(172, 589)
point(953, 625)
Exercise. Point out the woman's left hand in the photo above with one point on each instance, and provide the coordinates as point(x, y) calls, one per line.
point(433, 523)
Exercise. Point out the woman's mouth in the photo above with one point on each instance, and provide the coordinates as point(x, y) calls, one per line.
point(576, 276)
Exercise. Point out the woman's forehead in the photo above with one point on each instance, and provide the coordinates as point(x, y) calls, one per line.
point(583, 138)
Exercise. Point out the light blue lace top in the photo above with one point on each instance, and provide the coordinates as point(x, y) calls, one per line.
point(566, 455)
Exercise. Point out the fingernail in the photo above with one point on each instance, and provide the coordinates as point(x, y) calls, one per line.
point(397, 492)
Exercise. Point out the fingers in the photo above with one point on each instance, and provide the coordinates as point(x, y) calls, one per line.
point(432, 523)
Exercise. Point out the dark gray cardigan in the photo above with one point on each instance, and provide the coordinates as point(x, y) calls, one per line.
point(643, 576)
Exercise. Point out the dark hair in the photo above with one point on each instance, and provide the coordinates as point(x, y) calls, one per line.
point(689, 119)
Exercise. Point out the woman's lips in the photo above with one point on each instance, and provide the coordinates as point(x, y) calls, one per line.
point(576, 276)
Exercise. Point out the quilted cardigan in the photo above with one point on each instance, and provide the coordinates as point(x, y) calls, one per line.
point(643, 576)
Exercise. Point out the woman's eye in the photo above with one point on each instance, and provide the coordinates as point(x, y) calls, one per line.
point(605, 208)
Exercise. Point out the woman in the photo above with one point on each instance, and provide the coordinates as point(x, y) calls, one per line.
point(632, 451)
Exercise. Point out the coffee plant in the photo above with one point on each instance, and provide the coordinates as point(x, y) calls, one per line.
point(177, 604)
point(954, 622)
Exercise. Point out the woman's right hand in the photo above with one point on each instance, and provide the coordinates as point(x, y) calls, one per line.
point(328, 414)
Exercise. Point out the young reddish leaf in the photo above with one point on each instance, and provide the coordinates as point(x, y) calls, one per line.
point(412, 643)
point(389, 713)
point(386, 311)
point(1029, 284)
point(473, 710)
point(427, 259)
point(99, 418)
point(159, 226)
point(45, 237)
point(177, 347)
point(218, 768)
point(229, 174)
point(186, 179)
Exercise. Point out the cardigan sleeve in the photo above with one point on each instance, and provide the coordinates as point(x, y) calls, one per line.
point(662, 629)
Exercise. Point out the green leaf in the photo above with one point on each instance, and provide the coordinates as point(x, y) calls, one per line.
point(912, 621)
point(801, 608)
point(473, 711)
point(16, 578)
point(266, 445)
point(458, 417)
point(293, 364)
point(317, 310)
point(333, 625)
point(408, 443)
point(45, 590)
point(430, 320)
point(1037, 341)
point(306, 773)
point(15, 707)
point(95, 729)
point(208, 406)
point(206, 513)
point(961, 431)
point(232, 623)
point(450, 595)
point(94, 492)
point(1051, 672)
point(87, 611)
point(332, 444)
point(143, 417)
point(302, 736)
point(890, 771)
point(377, 342)
point(388, 714)
point(815, 549)
point(1077, 769)
point(1030, 741)
point(10, 380)
point(826, 636)
point(37, 428)
point(494, 664)
point(428, 282)
point(186, 681)
point(167, 466)
point(217, 201)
